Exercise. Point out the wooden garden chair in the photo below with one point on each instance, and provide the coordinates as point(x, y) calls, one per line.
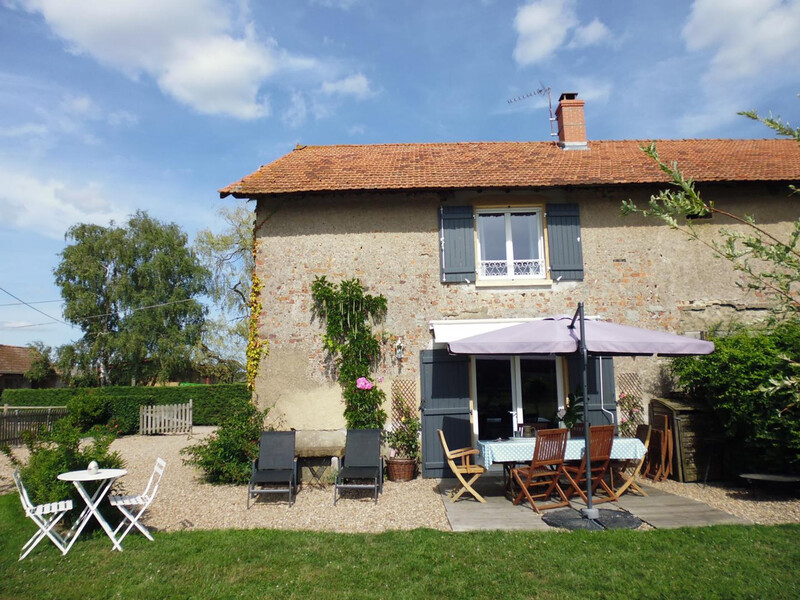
point(544, 470)
point(578, 430)
point(601, 438)
point(656, 455)
point(46, 517)
point(628, 470)
point(465, 467)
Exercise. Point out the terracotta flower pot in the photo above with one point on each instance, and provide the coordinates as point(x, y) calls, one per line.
point(401, 469)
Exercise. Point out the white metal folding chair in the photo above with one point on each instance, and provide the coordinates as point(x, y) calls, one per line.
point(142, 501)
point(45, 516)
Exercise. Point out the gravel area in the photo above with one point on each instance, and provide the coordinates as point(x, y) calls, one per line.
point(184, 502)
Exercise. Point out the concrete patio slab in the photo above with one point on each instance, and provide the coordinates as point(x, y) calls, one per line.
point(659, 509)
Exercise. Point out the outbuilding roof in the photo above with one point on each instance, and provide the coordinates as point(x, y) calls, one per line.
point(483, 165)
point(15, 360)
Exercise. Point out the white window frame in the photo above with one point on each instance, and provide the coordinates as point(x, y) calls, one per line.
point(510, 276)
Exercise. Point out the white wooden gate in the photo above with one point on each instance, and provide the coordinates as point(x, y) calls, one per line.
point(165, 418)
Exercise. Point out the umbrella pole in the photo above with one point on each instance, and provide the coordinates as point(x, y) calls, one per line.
point(589, 512)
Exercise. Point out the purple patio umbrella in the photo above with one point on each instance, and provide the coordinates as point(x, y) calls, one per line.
point(561, 335)
point(577, 335)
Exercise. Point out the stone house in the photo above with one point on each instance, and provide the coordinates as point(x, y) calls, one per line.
point(462, 237)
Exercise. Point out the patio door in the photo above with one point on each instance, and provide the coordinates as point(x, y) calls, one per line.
point(510, 390)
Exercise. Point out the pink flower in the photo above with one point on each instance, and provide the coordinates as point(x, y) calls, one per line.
point(380, 379)
point(623, 395)
point(363, 383)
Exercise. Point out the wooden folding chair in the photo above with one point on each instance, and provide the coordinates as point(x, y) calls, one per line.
point(629, 470)
point(578, 430)
point(601, 438)
point(656, 455)
point(46, 516)
point(464, 467)
point(546, 467)
point(140, 501)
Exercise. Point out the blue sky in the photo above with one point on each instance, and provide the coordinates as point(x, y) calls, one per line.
point(108, 106)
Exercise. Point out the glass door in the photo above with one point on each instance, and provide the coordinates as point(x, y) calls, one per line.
point(494, 397)
point(538, 390)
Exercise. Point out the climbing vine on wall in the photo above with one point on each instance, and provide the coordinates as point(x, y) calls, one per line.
point(256, 347)
point(347, 312)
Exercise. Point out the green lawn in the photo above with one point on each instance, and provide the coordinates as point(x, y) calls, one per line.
point(714, 562)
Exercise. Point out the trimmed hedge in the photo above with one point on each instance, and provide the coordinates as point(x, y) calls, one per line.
point(211, 403)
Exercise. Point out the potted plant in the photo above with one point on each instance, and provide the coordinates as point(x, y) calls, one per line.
point(573, 413)
point(404, 442)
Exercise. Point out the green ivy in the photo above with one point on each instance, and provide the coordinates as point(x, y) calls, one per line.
point(347, 312)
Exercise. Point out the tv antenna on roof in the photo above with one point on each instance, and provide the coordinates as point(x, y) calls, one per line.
point(544, 90)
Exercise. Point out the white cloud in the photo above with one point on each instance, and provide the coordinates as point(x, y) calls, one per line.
point(340, 4)
point(591, 34)
point(356, 130)
point(746, 37)
point(297, 112)
point(193, 49)
point(49, 207)
point(24, 130)
point(545, 25)
point(542, 27)
point(354, 85)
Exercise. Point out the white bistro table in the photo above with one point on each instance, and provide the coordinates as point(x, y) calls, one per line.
point(106, 477)
point(521, 450)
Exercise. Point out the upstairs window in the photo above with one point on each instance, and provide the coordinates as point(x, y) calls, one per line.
point(510, 244)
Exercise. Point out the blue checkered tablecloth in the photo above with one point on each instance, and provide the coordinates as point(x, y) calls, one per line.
point(521, 450)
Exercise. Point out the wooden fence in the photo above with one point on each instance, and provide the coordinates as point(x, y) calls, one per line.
point(165, 418)
point(16, 420)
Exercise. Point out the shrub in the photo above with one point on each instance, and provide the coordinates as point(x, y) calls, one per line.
point(763, 428)
point(88, 409)
point(211, 403)
point(59, 451)
point(227, 455)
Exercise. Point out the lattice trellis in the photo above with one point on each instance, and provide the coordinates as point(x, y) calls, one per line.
point(404, 399)
point(631, 411)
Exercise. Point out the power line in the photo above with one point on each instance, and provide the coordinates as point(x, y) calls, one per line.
point(34, 308)
point(28, 304)
point(37, 302)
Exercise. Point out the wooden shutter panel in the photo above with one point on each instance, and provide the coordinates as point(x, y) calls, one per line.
point(445, 406)
point(457, 247)
point(564, 235)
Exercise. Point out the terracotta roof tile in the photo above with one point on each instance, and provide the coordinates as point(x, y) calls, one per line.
point(15, 359)
point(515, 164)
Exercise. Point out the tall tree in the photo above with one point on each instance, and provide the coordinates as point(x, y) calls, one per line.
point(132, 290)
point(228, 255)
point(42, 368)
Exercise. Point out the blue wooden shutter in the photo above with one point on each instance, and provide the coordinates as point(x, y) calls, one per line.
point(457, 244)
point(564, 235)
point(445, 405)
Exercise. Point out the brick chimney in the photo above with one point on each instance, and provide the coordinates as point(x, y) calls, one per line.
point(571, 122)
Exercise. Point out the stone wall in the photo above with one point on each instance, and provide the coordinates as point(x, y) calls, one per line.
point(637, 271)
